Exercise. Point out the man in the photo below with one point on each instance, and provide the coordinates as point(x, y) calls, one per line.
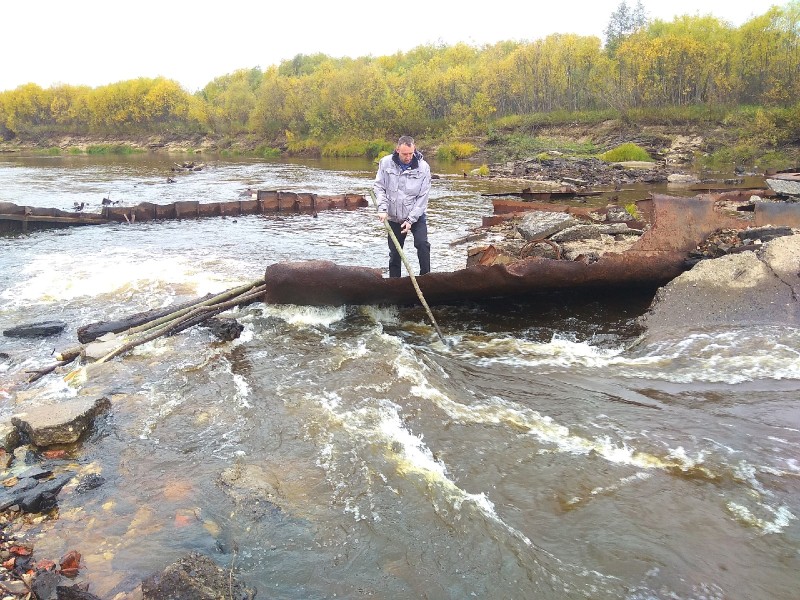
point(401, 187)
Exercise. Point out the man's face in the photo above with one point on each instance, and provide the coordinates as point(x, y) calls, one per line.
point(406, 153)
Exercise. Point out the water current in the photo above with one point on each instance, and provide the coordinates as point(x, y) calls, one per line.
point(345, 452)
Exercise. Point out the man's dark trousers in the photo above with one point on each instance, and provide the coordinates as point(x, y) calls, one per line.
point(420, 232)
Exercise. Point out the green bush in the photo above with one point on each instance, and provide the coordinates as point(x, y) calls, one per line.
point(267, 152)
point(625, 152)
point(455, 151)
point(111, 149)
point(632, 210)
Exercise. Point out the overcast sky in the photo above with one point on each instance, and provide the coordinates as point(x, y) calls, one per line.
point(96, 42)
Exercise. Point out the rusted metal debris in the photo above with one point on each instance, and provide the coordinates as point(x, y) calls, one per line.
point(563, 192)
point(676, 227)
point(25, 218)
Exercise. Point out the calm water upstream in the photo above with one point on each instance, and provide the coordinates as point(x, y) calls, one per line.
point(545, 455)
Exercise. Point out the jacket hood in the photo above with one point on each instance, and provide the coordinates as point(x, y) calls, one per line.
point(414, 164)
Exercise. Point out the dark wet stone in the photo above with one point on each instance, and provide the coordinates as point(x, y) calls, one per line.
point(79, 591)
point(90, 482)
point(194, 577)
point(44, 496)
point(224, 328)
point(36, 498)
point(32, 330)
point(35, 472)
point(44, 586)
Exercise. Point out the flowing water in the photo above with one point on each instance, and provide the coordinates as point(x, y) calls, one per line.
point(345, 452)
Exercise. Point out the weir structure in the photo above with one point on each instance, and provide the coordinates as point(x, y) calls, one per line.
point(261, 202)
point(675, 226)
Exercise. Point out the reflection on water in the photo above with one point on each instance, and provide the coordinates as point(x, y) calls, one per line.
point(345, 452)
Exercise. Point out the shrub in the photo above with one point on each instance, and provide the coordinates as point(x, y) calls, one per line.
point(455, 150)
point(111, 149)
point(625, 152)
point(268, 152)
point(632, 210)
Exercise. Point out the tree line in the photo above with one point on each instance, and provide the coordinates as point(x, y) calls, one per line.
point(444, 89)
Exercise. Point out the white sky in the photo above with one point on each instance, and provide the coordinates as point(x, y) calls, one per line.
point(97, 42)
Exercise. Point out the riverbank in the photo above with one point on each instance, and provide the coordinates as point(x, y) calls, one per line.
point(668, 144)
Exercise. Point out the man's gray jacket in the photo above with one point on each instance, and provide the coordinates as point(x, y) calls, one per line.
point(403, 195)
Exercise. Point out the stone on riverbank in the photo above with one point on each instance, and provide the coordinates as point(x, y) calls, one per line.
point(61, 423)
point(745, 289)
point(538, 224)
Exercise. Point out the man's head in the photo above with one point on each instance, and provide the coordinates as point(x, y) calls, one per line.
point(405, 149)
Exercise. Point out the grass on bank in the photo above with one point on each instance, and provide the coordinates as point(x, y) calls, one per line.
point(119, 149)
point(766, 137)
point(626, 152)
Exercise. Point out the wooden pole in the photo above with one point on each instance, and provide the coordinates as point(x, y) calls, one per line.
point(410, 272)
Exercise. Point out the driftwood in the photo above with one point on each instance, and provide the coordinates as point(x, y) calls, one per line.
point(186, 320)
point(92, 331)
point(147, 326)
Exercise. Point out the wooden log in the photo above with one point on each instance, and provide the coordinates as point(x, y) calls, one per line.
point(92, 331)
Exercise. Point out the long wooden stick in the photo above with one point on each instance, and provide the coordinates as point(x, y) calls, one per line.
point(201, 313)
point(75, 351)
point(169, 324)
point(410, 271)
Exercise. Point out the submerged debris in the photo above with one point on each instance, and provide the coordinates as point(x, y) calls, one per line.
point(731, 241)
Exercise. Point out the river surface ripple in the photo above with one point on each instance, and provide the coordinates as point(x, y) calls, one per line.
point(345, 452)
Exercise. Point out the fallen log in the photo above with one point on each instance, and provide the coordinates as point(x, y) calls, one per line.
point(153, 324)
point(92, 331)
point(193, 317)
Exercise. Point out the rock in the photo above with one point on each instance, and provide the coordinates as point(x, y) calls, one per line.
point(90, 482)
point(195, 577)
point(32, 495)
point(252, 487)
point(43, 497)
point(101, 346)
point(538, 224)
point(617, 214)
point(14, 587)
point(34, 330)
point(44, 586)
point(225, 328)
point(578, 232)
point(748, 288)
point(78, 591)
point(682, 179)
point(62, 423)
point(9, 437)
point(637, 164)
point(764, 234)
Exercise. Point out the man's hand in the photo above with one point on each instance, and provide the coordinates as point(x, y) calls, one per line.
point(405, 227)
point(382, 217)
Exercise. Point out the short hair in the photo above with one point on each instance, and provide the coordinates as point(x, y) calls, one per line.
point(406, 140)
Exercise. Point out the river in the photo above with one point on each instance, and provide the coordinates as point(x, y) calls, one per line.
point(344, 452)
